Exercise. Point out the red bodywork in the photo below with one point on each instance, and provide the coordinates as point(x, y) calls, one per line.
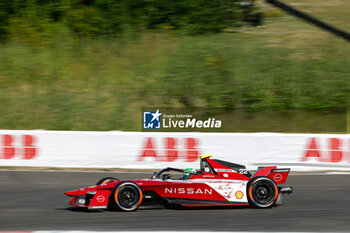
point(219, 183)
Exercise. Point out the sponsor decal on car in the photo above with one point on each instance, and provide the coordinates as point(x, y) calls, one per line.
point(188, 191)
point(278, 177)
point(100, 198)
point(223, 170)
point(280, 170)
point(97, 207)
point(239, 194)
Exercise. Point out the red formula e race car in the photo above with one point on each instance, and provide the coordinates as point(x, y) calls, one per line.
point(218, 183)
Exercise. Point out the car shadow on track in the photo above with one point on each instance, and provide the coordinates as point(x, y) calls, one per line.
point(182, 208)
point(79, 209)
point(145, 208)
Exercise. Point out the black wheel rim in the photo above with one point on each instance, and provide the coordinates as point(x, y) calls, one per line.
point(263, 192)
point(128, 196)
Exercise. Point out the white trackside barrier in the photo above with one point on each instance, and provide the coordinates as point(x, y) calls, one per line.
point(39, 148)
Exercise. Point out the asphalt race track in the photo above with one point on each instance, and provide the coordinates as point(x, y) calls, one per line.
point(31, 200)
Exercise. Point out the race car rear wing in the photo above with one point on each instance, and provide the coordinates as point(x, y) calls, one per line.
point(278, 175)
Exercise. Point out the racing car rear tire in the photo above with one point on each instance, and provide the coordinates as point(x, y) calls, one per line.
point(127, 196)
point(106, 180)
point(262, 192)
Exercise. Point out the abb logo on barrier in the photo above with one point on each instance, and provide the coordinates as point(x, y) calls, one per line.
point(21, 147)
point(173, 149)
point(335, 152)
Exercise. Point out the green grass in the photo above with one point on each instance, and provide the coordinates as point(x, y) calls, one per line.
point(103, 84)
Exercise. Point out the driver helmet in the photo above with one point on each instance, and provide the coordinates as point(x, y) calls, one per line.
point(188, 173)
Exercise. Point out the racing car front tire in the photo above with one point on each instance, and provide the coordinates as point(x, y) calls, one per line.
point(262, 192)
point(127, 196)
point(106, 180)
